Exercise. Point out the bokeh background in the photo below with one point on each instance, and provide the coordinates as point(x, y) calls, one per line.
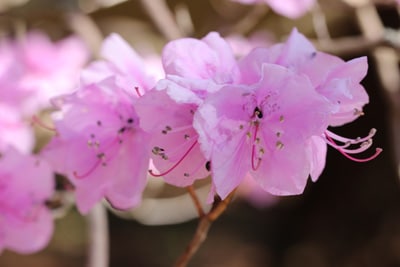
point(350, 217)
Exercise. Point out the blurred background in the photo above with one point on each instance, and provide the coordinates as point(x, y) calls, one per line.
point(350, 217)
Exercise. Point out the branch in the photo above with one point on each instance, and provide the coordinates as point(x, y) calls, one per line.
point(202, 230)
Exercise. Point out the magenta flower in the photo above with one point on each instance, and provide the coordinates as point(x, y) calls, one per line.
point(195, 69)
point(289, 8)
point(99, 145)
point(262, 129)
point(26, 182)
point(334, 79)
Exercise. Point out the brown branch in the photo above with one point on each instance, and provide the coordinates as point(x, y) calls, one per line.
point(196, 201)
point(202, 230)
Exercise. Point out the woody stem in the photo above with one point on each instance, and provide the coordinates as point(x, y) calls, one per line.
point(202, 230)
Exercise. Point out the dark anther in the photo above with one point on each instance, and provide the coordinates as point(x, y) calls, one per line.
point(130, 120)
point(258, 113)
point(208, 165)
point(313, 55)
point(121, 130)
point(98, 123)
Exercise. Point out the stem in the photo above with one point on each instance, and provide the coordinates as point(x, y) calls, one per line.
point(196, 201)
point(202, 230)
point(98, 235)
point(163, 18)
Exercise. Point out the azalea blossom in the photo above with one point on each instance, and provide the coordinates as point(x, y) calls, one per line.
point(289, 8)
point(99, 145)
point(262, 129)
point(194, 69)
point(333, 78)
point(26, 182)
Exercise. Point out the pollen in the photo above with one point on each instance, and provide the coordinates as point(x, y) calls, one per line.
point(281, 118)
point(279, 145)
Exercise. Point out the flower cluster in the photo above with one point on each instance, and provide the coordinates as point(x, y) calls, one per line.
point(264, 116)
point(260, 119)
point(28, 79)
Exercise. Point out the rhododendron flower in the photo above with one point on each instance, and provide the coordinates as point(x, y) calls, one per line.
point(336, 80)
point(290, 8)
point(262, 129)
point(29, 74)
point(195, 69)
point(26, 182)
point(100, 146)
point(123, 63)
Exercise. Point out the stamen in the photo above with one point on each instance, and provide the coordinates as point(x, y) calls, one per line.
point(38, 121)
point(137, 91)
point(90, 171)
point(348, 141)
point(176, 164)
point(346, 152)
point(254, 165)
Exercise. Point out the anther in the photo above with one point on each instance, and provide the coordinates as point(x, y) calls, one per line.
point(279, 145)
point(258, 113)
point(208, 165)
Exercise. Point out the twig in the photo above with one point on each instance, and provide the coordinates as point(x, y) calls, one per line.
point(196, 201)
point(202, 230)
point(163, 18)
point(98, 235)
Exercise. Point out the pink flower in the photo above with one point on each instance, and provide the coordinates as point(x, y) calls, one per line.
point(334, 79)
point(26, 182)
point(290, 8)
point(195, 69)
point(262, 129)
point(36, 69)
point(123, 63)
point(99, 145)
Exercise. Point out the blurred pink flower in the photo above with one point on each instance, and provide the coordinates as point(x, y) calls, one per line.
point(14, 131)
point(26, 182)
point(250, 191)
point(122, 62)
point(289, 8)
point(36, 69)
point(100, 146)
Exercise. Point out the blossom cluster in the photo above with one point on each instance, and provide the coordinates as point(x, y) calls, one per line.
point(28, 79)
point(263, 116)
